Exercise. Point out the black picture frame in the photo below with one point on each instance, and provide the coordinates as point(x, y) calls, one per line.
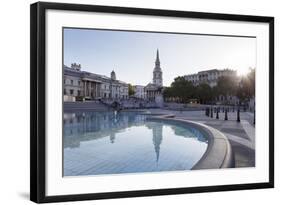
point(38, 100)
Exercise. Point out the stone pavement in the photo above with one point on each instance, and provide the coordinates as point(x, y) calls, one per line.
point(241, 134)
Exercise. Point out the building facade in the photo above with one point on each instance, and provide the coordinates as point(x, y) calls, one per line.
point(82, 85)
point(210, 77)
point(157, 72)
point(154, 90)
point(139, 91)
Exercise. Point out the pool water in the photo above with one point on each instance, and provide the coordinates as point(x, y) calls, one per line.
point(126, 142)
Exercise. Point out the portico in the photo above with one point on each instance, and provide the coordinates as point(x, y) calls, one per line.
point(92, 88)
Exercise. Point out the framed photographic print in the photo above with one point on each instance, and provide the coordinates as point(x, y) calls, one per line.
point(129, 102)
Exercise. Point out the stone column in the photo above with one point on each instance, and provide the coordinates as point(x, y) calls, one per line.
point(92, 85)
point(92, 89)
point(89, 88)
point(84, 88)
point(96, 90)
point(87, 85)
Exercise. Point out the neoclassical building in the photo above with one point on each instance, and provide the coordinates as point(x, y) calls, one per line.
point(82, 85)
point(154, 90)
point(157, 72)
point(210, 76)
point(139, 91)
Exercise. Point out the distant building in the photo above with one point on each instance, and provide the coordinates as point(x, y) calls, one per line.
point(82, 85)
point(210, 76)
point(157, 72)
point(139, 91)
point(154, 90)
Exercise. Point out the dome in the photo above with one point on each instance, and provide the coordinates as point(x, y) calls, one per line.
point(113, 75)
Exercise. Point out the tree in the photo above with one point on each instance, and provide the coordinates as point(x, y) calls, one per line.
point(243, 91)
point(246, 88)
point(180, 89)
point(204, 93)
point(168, 93)
point(131, 90)
point(215, 92)
point(252, 81)
point(227, 86)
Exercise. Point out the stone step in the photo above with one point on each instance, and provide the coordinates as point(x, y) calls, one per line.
point(85, 106)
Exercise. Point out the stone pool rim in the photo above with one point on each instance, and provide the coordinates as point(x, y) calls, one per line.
point(218, 154)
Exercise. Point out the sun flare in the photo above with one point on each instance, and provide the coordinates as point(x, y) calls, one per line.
point(243, 71)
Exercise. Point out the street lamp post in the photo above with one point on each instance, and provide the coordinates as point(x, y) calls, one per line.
point(254, 122)
point(238, 114)
point(217, 117)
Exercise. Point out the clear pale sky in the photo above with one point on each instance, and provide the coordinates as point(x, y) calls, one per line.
point(132, 54)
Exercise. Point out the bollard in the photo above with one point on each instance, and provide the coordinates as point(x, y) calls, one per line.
point(238, 115)
point(211, 112)
point(208, 112)
point(217, 117)
point(254, 121)
point(225, 115)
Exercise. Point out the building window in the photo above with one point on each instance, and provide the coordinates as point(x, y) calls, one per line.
point(79, 82)
point(71, 92)
point(78, 92)
point(71, 82)
point(64, 91)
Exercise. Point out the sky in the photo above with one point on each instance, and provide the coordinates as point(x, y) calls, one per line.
point(132, 54)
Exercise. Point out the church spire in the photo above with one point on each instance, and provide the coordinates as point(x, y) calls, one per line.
point(157, 72)
point(157, 62)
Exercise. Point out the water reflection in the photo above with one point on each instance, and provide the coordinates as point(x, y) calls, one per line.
point(108, 142)
point(157, 137)
point(84, 126)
